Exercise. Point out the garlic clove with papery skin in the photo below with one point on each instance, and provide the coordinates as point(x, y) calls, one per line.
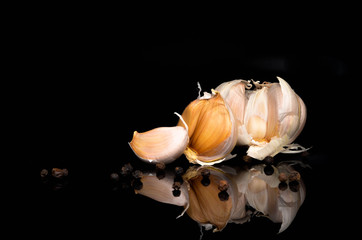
point(268, 117)
point(235, 95)
point(163, 144)
point(211, 129)
point(275, 115)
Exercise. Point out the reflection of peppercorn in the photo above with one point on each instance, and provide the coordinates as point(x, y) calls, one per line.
point(136, 182)
point(205, 181)
point(56, 180)
point(291, 181)
point(43, 173)
point(177, 181)
point(160, 170)
point(223, 187)
point(268, 170)
point(223, 196)
point(294, 186)
point(176, 189)
point(59, 173)
point(126, 169)
point(283, 186)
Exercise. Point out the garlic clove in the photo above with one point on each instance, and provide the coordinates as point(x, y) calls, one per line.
point(212, 129)
point(235, 96)
point(275, 116)
point(163, 144)
point(292, 111)
point(258, 116)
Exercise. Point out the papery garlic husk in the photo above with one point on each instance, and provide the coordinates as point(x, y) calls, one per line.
point(205, 206)
point(268, 118)
point(163, 144)
point(161, 190)
point(211, 129)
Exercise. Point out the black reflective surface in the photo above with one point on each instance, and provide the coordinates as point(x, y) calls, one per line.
point(81, 108)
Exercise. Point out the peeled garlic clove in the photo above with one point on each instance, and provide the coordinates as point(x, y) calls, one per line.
point(212, 129)
point(163, 144)
point(260, 194)
point(256, 117)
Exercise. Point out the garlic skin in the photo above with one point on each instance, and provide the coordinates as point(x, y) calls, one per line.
point(163, 144)
point(211, 129)
point(268, 118)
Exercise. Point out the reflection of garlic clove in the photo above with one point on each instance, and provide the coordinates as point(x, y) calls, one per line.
point(289, 201)
point(163, 144)
point(206, 206)
point(263, 194)
point(211, 128)
point(161, 190)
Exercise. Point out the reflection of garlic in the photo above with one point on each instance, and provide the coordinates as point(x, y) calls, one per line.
point(211, 128)
point(268, 118)
point(163, 144)
point(205, 205)
point(262, 193)
point(160, 190)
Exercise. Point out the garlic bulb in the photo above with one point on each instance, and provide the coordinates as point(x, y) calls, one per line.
point(268, 118)
point(211, 129)
point(163, 144)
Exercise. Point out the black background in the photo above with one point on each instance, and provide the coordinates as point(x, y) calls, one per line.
point(87, 84)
